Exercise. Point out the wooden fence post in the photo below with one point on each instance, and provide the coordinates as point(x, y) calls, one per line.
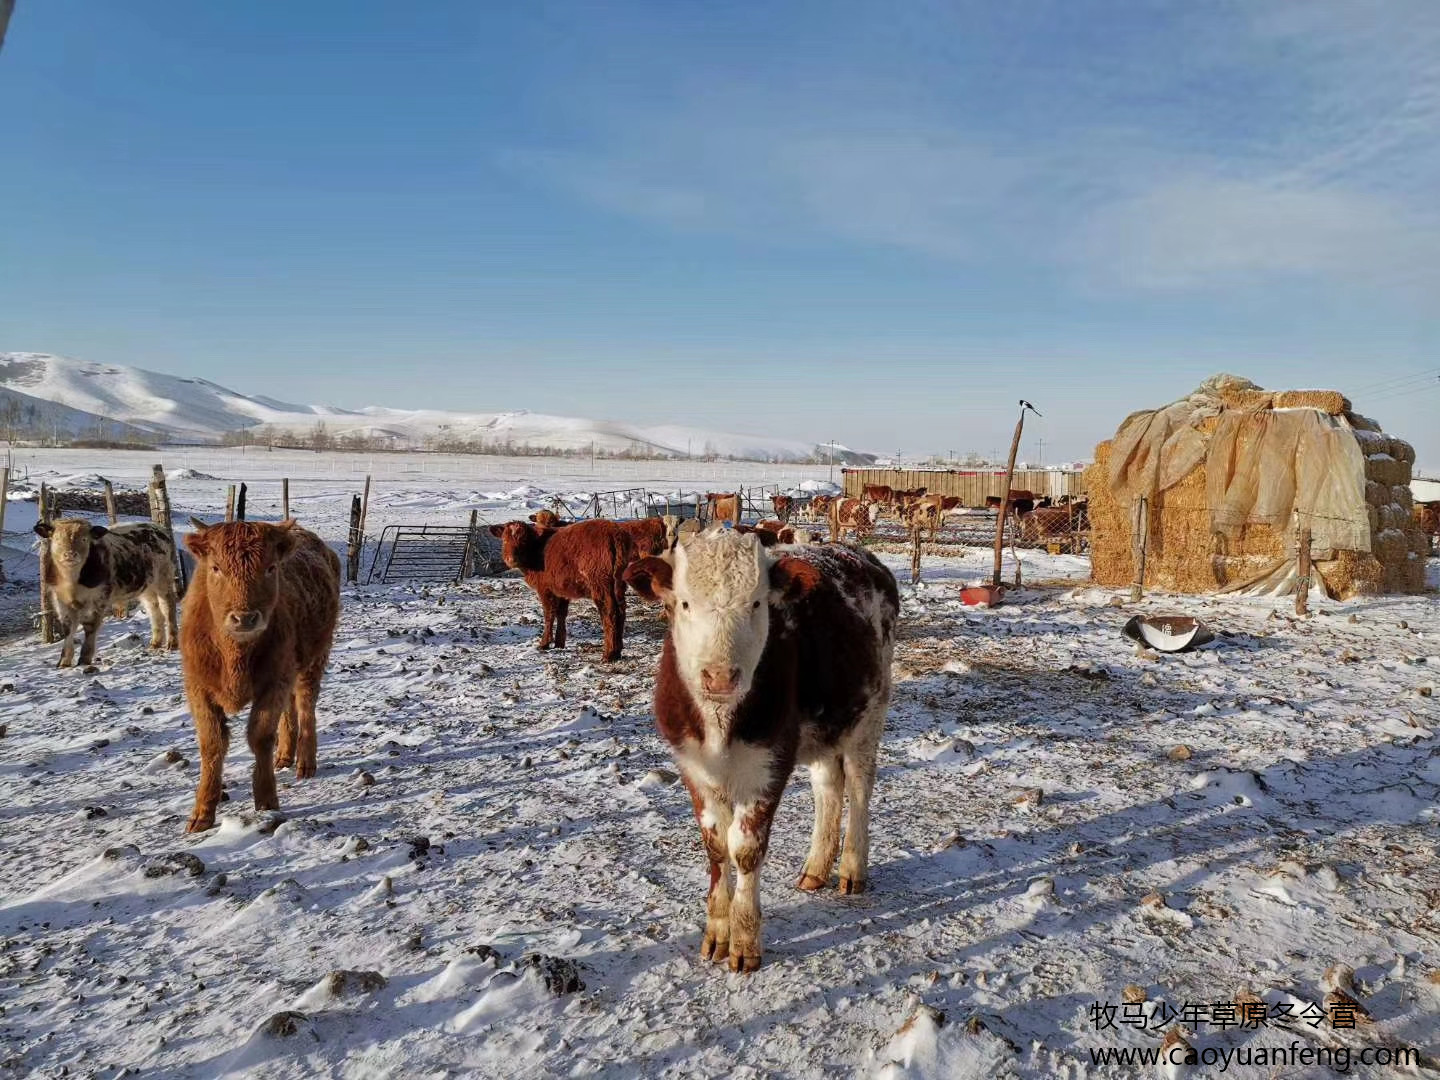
point(110, 502)
point(364, 512)
point(230, 503)
point(1140, 541)
point(160, 514)
point(285, 499)
point(468, 570)
point(240, 504)
point(47, 614)
point(4, 490)
point(1005, 495)
point(914, 552)
point(352, 560)
point(1302, 583)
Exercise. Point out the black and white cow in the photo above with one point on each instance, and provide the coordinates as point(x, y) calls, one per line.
point(91, 569)
point(773, 657)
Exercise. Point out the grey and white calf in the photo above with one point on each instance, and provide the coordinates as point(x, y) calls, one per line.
point(91, 570)
point(773, 657)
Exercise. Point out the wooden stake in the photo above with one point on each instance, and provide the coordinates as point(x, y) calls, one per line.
point(1302, 583)
point(4, 490)
point(1005, 496)
point(352, 560)
point(914, 553)
point(470, 546)
point(48, 622)
point(230, 503)
point(365, 510)
point(110, 502)
point(160, 514)
point(1140, 539)
point(240, 504)
point(285, 499)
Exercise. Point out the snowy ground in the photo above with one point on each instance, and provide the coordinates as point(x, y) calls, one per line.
point(520, 802)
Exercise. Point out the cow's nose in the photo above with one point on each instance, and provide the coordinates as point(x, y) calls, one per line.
point(720, 680)
point(243, 620)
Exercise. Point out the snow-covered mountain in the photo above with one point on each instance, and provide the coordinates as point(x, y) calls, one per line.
point(41, 395)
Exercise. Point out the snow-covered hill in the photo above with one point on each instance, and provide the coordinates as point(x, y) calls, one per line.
point(56, 394)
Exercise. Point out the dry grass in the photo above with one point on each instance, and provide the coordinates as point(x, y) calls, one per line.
point(1327, 401)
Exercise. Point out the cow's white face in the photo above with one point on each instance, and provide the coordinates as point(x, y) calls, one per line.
point(719, 606)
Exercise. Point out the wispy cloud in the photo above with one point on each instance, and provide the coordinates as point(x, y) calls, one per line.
point(1285, 139)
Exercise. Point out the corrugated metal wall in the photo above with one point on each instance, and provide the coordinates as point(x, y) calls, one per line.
point(972, 487)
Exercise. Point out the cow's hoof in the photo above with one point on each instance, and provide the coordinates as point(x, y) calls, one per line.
point(810, 883)
point(65, 664)
point(305, 770)
point(851, 886)
point(283, 762)
point(200, 823)
point(610, 658)
point(744, 962)
point(714, 948)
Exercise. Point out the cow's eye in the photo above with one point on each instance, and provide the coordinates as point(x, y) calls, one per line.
point(272, 568)
point(685, 604)
point(215, 569)
point(756, 605)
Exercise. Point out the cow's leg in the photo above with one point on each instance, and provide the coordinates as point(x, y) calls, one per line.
point(859, 783)
point(153, 606)
point(92, 636)
point(285, 737)
point(749, 838)
point(547, 609)
point(260, 733)
point(614, 617)
point(213, 736)
point(68, 629)
point(165, 604)
point(827, 781)
point(307, 692)
point(713, 815)
point(562, 616)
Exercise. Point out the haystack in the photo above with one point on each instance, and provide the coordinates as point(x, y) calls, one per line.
point(1216, 487)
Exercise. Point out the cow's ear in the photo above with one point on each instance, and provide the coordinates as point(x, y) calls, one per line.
point(198, 525)
point(44, 528)
point(791, 579)
point(97, 531)
point(497, 531)
point(198, 543)
point(285, 537)
point(652, 578)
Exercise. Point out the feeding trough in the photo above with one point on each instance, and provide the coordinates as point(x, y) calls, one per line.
point(983, 595)
point(1168, 633)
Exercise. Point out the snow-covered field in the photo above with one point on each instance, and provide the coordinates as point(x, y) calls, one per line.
point(479, 802)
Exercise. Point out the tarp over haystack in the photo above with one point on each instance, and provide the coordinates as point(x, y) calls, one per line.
point(1217, 485)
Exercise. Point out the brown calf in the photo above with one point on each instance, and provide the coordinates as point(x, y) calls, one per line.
point(91, 570)
point(260, 618)
point(784, 506)
point(769, 662)
point(584, 561)
point(878, 493)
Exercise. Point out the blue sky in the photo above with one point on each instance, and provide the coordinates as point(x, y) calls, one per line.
point(875, 222)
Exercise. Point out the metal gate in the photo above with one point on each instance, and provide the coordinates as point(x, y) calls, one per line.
point(424, 552)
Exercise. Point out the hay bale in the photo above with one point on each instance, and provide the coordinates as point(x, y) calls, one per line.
point(1247, 400)
point(1402, 496)
point(1386, 470)
point(1352, 573)
point(1362, 423)
point(1401, 450)
point(1327, 401)
point(1110, 559)
point(1377, 494)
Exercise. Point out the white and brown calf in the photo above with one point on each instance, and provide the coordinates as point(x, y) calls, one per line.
point(773, 657)
point(91, 570)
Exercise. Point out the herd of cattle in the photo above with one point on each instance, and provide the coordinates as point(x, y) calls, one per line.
point(777, 652)
point(1040, 518)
